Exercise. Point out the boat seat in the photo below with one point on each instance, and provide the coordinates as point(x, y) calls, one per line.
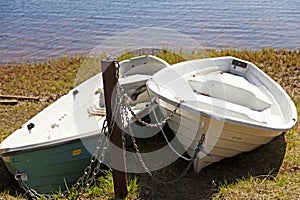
point(145, 69)
point(232, 88)
point(133, 84)
point(134, 81)
point(141, 98)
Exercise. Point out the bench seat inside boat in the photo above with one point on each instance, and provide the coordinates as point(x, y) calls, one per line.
point(231, 88)
point(134, 81)
point(145, 69)
point(135, 86)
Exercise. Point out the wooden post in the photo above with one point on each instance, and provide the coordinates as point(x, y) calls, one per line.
point(116, 155)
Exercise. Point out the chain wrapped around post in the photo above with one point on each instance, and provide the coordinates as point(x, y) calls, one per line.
point(88, 176)
point(125, 96)
point(125, 112)
point(85, 179)
point(125, 117)
point(157, 124)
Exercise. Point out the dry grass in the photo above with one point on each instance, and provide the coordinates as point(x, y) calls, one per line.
point(269, 172)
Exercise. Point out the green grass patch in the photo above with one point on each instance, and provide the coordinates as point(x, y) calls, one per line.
point(103, 188)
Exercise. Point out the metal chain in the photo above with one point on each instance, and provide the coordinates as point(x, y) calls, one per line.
point(157, 124)
point(184, 172)
point(122, 122)
point(126, 116)
point(28, 191)
point(199, 145)
point(117, 64)
point(166, 138)
point(169, 144)
point(140, 156)
point(85, 179)
point(89, 181)
point(125, 95)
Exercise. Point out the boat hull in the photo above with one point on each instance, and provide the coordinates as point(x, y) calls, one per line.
point(56, 167)
point(222, 139)
point(229, 101)
point(51, 169)
point(51, 150)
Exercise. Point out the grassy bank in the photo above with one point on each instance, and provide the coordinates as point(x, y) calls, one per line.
point(269, 172)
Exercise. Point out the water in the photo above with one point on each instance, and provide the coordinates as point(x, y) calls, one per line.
point(37, 29)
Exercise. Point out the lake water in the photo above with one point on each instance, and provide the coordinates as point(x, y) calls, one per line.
point(37, 29)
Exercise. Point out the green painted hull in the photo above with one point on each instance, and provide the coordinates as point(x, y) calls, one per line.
point(54, 168)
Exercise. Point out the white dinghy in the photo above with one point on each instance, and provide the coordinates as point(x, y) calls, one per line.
point(227, 106)
point(50, 151)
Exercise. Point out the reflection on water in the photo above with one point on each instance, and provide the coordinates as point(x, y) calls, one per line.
point(35, 29)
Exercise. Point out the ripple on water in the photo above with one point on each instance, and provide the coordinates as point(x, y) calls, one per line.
point(35, 29)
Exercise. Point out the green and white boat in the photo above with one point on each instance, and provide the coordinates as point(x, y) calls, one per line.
point(50, 151)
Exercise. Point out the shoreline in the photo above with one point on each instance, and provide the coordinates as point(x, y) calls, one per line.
point(18, 61)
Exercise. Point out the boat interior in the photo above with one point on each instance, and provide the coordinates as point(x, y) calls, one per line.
point(134, 74)
point(227, 88)
point(70, 116)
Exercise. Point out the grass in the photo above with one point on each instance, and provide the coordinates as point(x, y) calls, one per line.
point(271, 171)
point(104, 188)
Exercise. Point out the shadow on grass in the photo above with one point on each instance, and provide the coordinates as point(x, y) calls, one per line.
point(8, 184)
point(263, 161)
